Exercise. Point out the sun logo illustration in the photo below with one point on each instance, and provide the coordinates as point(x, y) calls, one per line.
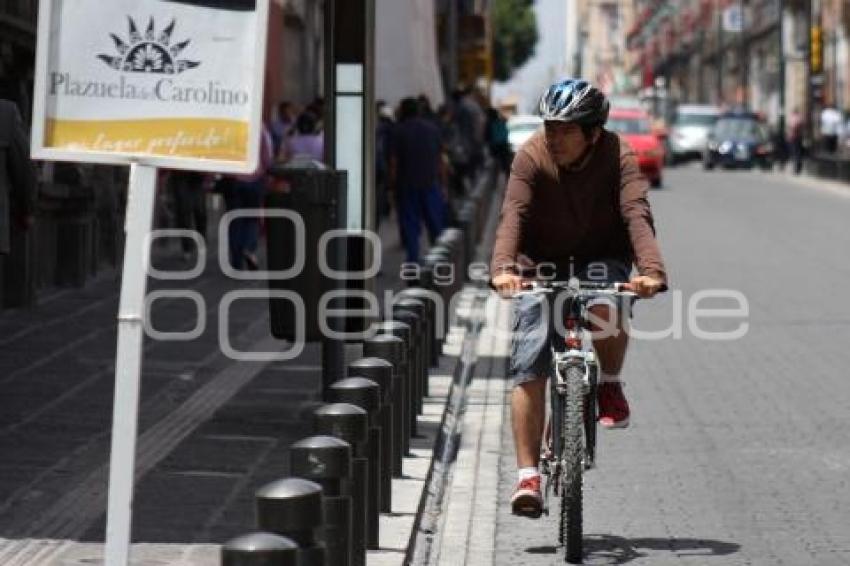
point(149, 53)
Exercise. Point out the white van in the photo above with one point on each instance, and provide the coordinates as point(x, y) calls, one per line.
point(689, 131)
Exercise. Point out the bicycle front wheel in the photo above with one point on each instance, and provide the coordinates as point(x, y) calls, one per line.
point(572, 452)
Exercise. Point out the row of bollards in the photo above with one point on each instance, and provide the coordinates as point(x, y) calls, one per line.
point(327, 514)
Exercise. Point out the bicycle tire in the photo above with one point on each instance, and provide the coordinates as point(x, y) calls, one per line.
point(557, 418)
point(572, 452)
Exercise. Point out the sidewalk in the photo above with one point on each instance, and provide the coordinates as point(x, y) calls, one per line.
point(211, 430)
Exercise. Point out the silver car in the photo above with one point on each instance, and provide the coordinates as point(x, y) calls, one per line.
point(689, 132)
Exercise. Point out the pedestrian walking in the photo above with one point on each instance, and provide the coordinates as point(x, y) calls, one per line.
point(417, 177)
point(831, 123)
point(456, 150)
point(471, 122)
point(497, 140)
point(383, 141)
point(247, 192)
point(306, 142)
point(190, 203)
point(796, 127)
point(780, 144)
point(283, 124)
point(426, 111)
point(18, 188)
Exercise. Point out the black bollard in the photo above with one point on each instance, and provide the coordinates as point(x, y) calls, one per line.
point(259, 549)
point(409, 335)
point(293, 508)
point(417, 311)
point(443, 277)
point(394, 350)
point(351, 424)
point(431, 301)
point(381, 372)
point(327, 461)
point(447, 257)
point(467, 220)
point(366, 394)
point(453, 239)
point(420, 367)
point(411, 351)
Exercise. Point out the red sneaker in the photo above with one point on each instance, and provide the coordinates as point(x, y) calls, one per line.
point(613, 407)
point(527, 501)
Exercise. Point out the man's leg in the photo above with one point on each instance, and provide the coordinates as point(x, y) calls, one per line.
point(409, 221)
point(200, 210)
point(530, 361)
point(434, 208)
point(610, 340)
point(528, 413)
point(182, 214)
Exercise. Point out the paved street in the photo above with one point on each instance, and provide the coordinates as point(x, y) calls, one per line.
point(738, 451)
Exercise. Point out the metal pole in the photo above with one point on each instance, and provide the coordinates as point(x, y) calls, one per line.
point(834, 53)
point(781, 69)
point(330, 82)
point(451, 45)
point(128, 363)
point(719, 53)
point(808, 105)
point(742, 55)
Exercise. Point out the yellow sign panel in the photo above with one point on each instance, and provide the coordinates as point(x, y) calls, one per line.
point(816, 50)
point(225, 140)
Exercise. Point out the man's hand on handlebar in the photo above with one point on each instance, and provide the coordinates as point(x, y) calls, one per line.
point(508, 283)
point(644, 286)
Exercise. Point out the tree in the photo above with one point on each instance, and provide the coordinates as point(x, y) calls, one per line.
point(514, 36)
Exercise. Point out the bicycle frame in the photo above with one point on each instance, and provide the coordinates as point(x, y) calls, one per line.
point(574, 348)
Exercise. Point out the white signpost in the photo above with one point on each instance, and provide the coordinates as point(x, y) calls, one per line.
point(146, 83)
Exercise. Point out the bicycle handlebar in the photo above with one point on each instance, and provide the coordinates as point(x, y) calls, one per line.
point(575, 288)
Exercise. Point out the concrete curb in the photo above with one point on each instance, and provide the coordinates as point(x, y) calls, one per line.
point(426, 541)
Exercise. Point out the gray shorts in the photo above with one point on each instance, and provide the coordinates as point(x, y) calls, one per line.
point(531, 357)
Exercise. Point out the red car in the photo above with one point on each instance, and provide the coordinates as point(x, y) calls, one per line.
point(635, 126)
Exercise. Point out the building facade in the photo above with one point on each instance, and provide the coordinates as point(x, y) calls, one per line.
point(602, 53)
point(774, 56)
point(296, 51)
point(406, 50)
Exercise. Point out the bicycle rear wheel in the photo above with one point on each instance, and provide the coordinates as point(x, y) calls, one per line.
point(572, 452)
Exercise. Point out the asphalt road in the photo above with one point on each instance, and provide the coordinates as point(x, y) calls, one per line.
point(739, 450)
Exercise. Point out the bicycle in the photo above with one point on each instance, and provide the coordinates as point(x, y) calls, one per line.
point(571, 430)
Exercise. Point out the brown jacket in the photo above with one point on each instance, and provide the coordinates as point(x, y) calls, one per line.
point(598, 211)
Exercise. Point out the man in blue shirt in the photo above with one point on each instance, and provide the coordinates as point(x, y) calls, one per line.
point(417, 177)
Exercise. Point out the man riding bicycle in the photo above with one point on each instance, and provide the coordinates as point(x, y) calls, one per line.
point(576, 206)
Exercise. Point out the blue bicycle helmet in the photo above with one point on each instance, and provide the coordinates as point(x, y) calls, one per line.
point(574, 101)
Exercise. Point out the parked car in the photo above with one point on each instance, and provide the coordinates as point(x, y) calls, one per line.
point(635, 126)
point(689, 131)
point(520, 128)
point(739, 140)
